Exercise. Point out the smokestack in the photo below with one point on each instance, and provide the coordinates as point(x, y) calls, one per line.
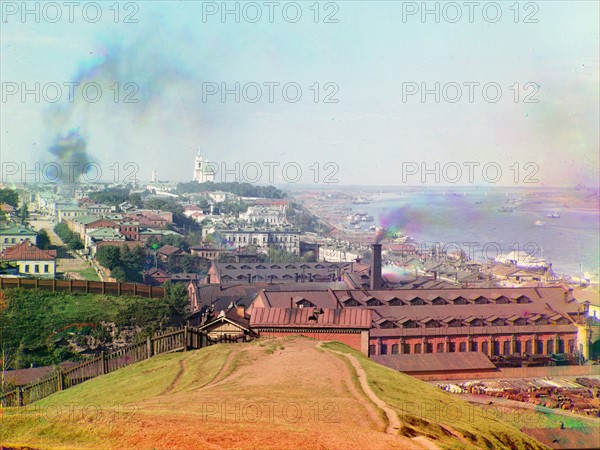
point(376, 266)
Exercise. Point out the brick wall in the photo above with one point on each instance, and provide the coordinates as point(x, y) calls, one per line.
point(351, 339)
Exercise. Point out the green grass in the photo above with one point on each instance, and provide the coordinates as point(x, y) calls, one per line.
point(36, 323)
point(71, 416)
point(429, 411)
point(88, 274)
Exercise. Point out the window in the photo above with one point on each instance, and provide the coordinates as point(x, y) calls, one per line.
point(46, 268)
point(432, 324)
point(502, 300)
point(26, 269)
point(518, 347)
point(541, 321)
point(418, 348)
point(571, 344)
point(455, 323)
point(550, 346)
point(373, 302)
point(477, 323)
point(394, 349)
point(371, 349)
point(439, 348)
point(304, 303)
point(496, 348)
point(387, 324)
point(539, 347)
point(439, 301)
point(406, 348)
point(383, 349)
point(520, 322)
point(481, 301)
point(36, 268)
point(395, 302)
point(485, 347)
point(409, 324)
point(506, 348)
point(417, 301)
point(474, 346)
point(528, 347)
point(462, 347)
point(498, 322)
point(523, 299)
point(452, 347)
point(460, 301)
point(428, 348)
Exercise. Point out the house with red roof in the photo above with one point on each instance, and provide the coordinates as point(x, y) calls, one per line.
point(31, 260)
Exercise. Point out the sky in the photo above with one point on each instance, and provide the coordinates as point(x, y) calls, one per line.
point(360, 118)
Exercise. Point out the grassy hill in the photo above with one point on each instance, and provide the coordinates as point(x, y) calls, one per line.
point(35, 325)
point(287, 393)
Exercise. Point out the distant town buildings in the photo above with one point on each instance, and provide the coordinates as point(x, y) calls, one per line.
point(262, 239)
point(16, 234)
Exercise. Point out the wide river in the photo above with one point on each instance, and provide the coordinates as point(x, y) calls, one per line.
point(571, 242)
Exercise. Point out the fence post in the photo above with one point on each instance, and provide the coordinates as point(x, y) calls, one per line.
point(19, 396)
point(53, 284)
point(118, 287)
point(61, 380)
point(87, 286)
point(102, 363)
point(185, 338)
point(149, 346)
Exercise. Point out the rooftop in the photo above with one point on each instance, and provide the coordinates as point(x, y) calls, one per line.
point(435, 362)
point(26, 251)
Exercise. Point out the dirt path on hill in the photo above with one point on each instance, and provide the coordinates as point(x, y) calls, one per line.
point(183, 367)
point(393, 422)
point(360, 396)
point(221, 376)
point(289, 395)
point(392, 417)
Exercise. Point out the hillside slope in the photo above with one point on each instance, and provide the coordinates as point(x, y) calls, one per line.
point(288, 393)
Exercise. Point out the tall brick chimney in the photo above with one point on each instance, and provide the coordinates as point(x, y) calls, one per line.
point(376, 266)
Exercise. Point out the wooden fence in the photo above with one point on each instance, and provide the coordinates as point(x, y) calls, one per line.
point(177, 340)
point(84, 286)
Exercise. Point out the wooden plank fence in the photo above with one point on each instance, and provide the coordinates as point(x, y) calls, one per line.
point(180, 339)
point(83, 286)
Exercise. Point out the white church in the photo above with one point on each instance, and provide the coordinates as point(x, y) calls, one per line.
point(203, 172)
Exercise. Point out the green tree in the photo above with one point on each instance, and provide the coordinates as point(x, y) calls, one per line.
point(109, 256)
point(9, 196)
point(118, 274)
point(75, 243)
point(43, 240)
point(177, 299)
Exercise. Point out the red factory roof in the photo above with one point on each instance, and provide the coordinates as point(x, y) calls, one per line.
point(310, 318)
point(435, 362)
point(26, 251)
